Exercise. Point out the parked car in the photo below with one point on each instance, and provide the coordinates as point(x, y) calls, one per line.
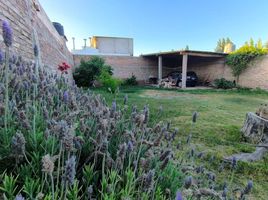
point(191, 78)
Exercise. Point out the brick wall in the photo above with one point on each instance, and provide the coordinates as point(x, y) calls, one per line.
point(26, 21)
point(256, 75)
point(125, 66)
point(209, 71)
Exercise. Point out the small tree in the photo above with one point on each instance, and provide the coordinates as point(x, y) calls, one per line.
point(224, 45)
point(88, 71)
point(220, 45)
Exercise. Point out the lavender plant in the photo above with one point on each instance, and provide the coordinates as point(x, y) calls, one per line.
point(8, 37)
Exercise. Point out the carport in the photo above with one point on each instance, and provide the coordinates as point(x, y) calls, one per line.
point(180, 60)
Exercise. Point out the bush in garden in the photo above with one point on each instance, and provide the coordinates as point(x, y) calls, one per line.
point(61, 142)
point(131, 81)
point(109, 82)
point(88, 71)
point(222, 83)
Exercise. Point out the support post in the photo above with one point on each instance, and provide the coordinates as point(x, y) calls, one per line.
point(73, 43)
point(184, 70)
point(159, 68)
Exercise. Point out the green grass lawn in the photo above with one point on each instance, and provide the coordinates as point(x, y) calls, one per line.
point(217, 131)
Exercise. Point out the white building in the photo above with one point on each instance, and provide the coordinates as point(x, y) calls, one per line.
point(100, 45)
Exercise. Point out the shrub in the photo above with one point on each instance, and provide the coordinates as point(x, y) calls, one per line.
point(131, 81)
point(88, 71)
point(224, 84)
point(109, 82)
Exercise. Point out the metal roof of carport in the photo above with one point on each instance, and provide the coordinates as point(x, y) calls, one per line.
point(188, 52)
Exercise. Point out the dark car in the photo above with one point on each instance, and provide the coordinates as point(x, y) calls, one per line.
point(191, 78)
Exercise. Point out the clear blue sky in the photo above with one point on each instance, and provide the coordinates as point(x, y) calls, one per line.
point(162, 25)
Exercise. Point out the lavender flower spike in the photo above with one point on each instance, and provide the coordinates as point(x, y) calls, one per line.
point(188, 182)
point(65, 96)
point(179, 196)
point(7, 33)
point(1, 57)
point(18, 143)
point(249, 187)
point(70, 170)
point(36, 50)
point(194, 117)
point(19, 197)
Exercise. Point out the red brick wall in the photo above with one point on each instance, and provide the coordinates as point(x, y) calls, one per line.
point(125, 66)
point(209, 71)
point(25, 20)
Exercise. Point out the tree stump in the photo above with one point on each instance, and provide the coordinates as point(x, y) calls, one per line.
point(254, 130)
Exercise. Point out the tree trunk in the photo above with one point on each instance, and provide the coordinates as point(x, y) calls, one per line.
point(254, 130)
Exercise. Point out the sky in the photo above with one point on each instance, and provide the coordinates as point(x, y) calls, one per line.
point(162, 25)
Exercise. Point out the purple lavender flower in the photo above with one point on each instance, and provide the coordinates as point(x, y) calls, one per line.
point(78, 142)
point(179, 196)
point(146, 114)
point(200, 155)
point(164, 155)
point(125, 99)
point(192, 152)
point(114, 106)
point(134, 109)
point(19, 197)
point(1, 57)
point(224, 193)
point(113, 109)
point(70, 170)
point(130, 146)
point(176, 130)
point(165, 162)
point(18, 143)
point(189, 138)
point(90, 191)
point(234, 163)
point(188, 182)
point(249, 187)
point(194, 117)
point(149, 179)
point(7, 33)
point(66, 96)
point(199, 169)
point(36, 51)
point(211, 176)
